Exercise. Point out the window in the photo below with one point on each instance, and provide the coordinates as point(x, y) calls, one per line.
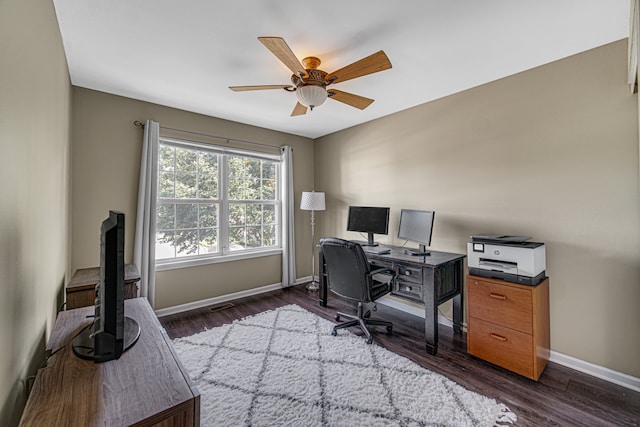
point(214, 202)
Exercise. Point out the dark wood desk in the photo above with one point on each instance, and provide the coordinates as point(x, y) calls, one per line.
point(430, 280)
point(147, 386)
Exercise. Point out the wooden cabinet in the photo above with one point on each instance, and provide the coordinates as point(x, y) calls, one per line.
point(509, 324)
point(81, 290)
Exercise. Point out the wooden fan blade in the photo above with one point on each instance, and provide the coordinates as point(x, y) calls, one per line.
point(283, 52)
point(299, 110)
point(369, 65)
point(259, 87)
point(350, 99)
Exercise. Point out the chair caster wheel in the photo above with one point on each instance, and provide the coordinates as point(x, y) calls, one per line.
point(367, 314)
point(369, 340)
point(337, 317)
point(334, 332)
point(389, 329)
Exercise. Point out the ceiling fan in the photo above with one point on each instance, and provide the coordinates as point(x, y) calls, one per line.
point(310, 83)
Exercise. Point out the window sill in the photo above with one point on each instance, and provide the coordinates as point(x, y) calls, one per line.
point(175, 264)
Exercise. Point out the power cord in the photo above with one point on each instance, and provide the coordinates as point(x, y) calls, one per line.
point(443, 315)
point(30, 380)
point(66, 343)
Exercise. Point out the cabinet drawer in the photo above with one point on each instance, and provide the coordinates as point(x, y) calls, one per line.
point(501, 346)
point(506, 305)
point(408, 289)
point(410, 274)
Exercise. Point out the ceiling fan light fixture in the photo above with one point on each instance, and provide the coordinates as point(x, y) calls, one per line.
point(310, 83)
point(311, 95)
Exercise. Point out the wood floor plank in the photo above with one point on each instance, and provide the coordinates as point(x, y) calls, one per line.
point(562, 396)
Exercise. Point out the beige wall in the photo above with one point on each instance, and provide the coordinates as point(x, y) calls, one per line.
point(550, 153)
point(35, 115)
point(106, 162)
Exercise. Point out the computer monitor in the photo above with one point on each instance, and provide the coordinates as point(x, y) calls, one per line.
point(368, 219)
point(416, 226)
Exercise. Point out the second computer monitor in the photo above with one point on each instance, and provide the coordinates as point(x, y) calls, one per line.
point(368, 219)
point(416, 226)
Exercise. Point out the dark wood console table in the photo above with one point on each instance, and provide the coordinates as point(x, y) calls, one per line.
point(147, 386)
point(430, 280)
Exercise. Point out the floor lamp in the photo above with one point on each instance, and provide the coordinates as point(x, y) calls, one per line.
point(312, 201)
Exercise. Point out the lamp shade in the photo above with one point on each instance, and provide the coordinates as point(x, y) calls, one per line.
point(312, 201)
point(311, 95)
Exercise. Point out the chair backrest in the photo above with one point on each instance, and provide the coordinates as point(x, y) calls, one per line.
point(347, 268)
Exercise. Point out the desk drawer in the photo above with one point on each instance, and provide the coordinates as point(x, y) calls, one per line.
point(506, 305)
point(410, 274)
point(408, 289)
point(501, 346)
point(376, 263)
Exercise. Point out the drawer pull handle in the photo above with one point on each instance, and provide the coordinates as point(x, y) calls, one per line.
point(498, 337)
point(497, 296)
point(409, 288)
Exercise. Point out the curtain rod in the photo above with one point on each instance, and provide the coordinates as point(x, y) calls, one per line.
point(140, 124)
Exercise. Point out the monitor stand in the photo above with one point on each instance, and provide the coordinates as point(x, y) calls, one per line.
point(422, 251)
point(83, 344)
point(370, 241)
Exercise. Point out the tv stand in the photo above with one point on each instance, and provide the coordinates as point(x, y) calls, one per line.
point(147, 386)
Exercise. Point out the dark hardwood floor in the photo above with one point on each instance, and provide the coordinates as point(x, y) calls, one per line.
point(562, 396)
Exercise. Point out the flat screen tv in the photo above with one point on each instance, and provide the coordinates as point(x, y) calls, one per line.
point(368, 219)
point(416, 226)
point(111, 332)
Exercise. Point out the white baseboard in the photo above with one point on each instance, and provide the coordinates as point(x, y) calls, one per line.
point(588, 368)
point(223, 298)
point(597, 371)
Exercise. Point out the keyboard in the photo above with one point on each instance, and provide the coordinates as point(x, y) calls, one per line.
point(376, 250)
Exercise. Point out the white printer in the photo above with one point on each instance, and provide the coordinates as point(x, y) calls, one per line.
point(510, 258)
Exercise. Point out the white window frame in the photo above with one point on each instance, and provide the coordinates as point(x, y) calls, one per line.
point(224, 255)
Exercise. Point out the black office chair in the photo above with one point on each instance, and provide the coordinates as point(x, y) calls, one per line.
point(349, 275)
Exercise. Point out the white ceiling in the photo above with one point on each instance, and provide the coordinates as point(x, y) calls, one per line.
point(185, 54)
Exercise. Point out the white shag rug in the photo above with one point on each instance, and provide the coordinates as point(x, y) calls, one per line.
point(283, 368)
